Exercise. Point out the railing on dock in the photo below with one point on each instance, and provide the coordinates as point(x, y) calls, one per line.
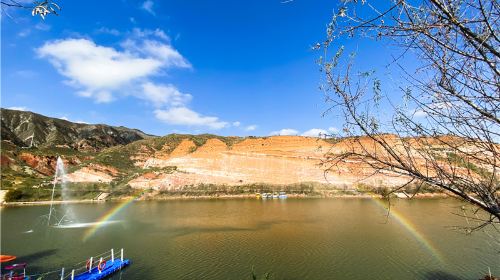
point(77, 269)
point(91, 263)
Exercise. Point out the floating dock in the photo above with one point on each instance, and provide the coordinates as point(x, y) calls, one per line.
point(110, 268)
point(95, 268)
point(106, 266)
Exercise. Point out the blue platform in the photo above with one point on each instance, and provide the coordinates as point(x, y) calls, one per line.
point(110, 268)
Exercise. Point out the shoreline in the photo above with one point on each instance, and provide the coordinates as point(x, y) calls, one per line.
point(221, 197)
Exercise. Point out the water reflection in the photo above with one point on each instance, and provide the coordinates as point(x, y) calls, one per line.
point(296, 239)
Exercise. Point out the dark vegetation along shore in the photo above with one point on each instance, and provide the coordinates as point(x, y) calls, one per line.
point(89, 192)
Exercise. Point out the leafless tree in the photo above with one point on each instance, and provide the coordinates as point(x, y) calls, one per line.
point(439, 125)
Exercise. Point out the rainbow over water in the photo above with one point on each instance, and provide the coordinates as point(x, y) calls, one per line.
point(412, 229)
point(106, 218)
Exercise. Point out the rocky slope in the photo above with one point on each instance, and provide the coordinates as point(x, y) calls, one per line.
point(277, 160)
point(26, 129)
point(175, 162)
point(102, 158)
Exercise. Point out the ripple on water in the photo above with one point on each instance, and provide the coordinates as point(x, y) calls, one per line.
point(301, 239)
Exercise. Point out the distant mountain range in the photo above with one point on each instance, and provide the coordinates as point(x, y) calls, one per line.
point(123, 161)
point(28, 129)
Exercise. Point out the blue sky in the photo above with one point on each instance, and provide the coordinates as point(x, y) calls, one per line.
point(223, 67)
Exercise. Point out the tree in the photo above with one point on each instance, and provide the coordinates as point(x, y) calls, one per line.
point(42, 8)
point(443, 119)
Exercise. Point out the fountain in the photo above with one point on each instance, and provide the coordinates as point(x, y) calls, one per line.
point(67, 219)
point(60, 177)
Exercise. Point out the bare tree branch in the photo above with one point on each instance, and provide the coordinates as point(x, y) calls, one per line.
point(453, 144)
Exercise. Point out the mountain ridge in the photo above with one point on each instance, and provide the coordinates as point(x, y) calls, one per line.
point(27, 129)
point(100, 159)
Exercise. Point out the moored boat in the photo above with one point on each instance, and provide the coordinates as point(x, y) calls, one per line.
point(15, 272)
point(6, 258)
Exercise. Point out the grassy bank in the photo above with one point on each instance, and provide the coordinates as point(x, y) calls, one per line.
point(119, 189)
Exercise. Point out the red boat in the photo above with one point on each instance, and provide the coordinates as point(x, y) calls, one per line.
point(13, 273)
point(6, 258)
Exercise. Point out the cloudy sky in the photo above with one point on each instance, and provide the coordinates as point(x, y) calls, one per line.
point(224, 67)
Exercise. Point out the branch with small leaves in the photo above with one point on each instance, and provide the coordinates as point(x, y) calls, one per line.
point(41, 8)
point(44, 8)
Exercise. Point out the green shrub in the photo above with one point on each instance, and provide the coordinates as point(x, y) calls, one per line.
point(13, 195)
point(383, 191)
point(360, 187)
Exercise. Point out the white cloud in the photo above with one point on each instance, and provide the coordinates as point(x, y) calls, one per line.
point(419, 113)
point(158, 48)
point(102, 73)
point(161, 95)
point(24, 33)
point(42, 26)
point(165, 53)
point(176, 112)
point(185, 116)
point(20, 108)
point(142, 33)
point(67, 119)
point(333, 130)
point(99, 72)
point(315, 132)
point(110, 31)
point(285, 131)
point(148, 6)
point(236, 124)
point(96, 67)
point(100, 96)
point(251, 127)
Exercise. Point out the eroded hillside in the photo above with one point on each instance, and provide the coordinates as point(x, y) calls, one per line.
point(27, 129)
point(196, 163)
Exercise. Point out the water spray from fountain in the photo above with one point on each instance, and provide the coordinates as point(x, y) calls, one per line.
point(67, 220)
point(59, 177)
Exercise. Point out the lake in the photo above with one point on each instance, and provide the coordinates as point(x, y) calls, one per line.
point(291, 239)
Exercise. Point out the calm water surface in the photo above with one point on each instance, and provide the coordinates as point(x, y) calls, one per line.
point(291, 239)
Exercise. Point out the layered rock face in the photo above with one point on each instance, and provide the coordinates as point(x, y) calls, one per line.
point(93, 173)
point(105, 154)
point(270, 160)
